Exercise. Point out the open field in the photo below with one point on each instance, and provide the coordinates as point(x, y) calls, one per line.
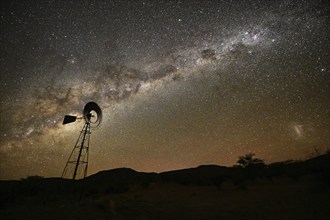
point(282, 199)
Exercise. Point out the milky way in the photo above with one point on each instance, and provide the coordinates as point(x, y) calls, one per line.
point(181, 83)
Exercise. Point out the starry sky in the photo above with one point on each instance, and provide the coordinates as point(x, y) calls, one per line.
point(180, 83)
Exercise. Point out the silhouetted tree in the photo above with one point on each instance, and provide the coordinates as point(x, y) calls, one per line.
point(248, 160)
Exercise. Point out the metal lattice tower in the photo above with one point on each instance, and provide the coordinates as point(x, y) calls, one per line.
point(77, 164)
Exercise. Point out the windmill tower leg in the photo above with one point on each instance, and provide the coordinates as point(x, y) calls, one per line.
point(77, 164)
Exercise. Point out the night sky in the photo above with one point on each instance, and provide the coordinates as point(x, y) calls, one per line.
point(180, 83)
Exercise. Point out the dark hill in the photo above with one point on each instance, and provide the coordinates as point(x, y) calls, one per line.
point(202, 175)
point(119, 174)
point(119, 180)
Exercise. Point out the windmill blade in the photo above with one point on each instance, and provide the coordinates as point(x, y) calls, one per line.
point(69, 119)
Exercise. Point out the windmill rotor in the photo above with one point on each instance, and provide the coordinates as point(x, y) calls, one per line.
point(92, 113)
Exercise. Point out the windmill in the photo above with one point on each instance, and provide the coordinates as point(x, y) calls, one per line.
point(77, 164)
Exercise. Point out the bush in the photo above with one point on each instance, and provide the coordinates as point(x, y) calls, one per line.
point(248, 161)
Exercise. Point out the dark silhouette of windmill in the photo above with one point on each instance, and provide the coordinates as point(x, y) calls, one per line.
point(77, 164)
